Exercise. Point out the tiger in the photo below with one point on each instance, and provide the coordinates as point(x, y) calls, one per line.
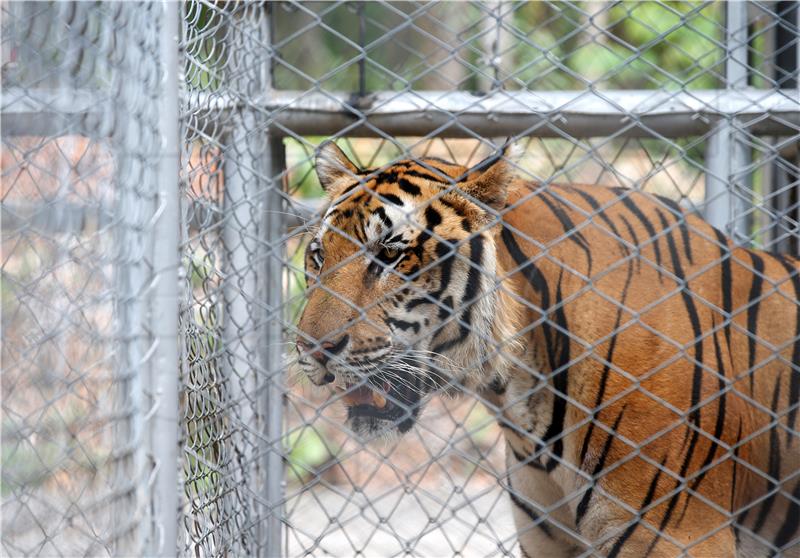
point(644, 369)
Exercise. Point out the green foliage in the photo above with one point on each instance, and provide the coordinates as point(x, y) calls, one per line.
point(306, 452)
point(547, 46)
point(206, 56)
point(478, 424)
point(632, 45)
point(199, 267)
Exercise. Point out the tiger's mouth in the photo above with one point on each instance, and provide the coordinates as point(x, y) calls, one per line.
point(380, 406)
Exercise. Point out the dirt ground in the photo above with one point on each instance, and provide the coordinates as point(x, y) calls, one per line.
point(432, 492)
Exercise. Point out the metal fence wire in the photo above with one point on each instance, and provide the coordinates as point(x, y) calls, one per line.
point(206, 353)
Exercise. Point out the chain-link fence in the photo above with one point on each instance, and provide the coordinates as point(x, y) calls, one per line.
point(89, 307)
point(634, 382)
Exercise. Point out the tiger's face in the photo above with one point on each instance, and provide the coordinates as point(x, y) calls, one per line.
point(402, 297)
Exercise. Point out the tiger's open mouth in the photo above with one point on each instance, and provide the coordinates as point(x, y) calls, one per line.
point(373, 409)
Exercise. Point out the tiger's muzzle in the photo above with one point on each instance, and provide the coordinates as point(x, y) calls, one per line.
point(382, 394)
point(383, 401)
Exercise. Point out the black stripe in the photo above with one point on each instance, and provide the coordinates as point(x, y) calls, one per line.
point(583, 505)
point(444, 256)
point(474, 274)
point(752, 313)
point(635, 242)
point(687, 242)
point(530, 460)
point(408, 187)
point(794, 367)
point(680, 218)
point(720, 423)
point(601, 390)
point(774, 463)
point(556, 361)
point(568, 226)
point(537, 281)
point(560, 382)
point(595, 205)
point(388, 175)
point(359, 230)
point(446, 308)
point(433, 219)
point(694, 318)
point(385, 219)
point(697, 377)
point(733, 508)
point(455, 208)
point(391, 198)
point(404, 325)
point(528, 510)
point(428, 176)
point(670, 203)
point(651, 491)
point(726, 281)
point(791, 523)
point(539, 285)
point(528, 269)
point(348, 189)
point(648, 226)
point(471, 292)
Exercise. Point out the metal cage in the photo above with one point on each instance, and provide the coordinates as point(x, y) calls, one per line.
point(158, 189)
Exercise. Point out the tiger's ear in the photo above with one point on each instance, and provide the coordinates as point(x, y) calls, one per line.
point(334, 169)
point(488, 181)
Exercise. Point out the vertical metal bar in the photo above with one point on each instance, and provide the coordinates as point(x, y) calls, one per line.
point(274, 218)
point(252, 231)
point(274, 221)
point(239, 292)
point(736, 37)
point(728, 183)
point(362, 41)
point(165, 304)
point(134, 206)
point(784, 64)
point(493, 41)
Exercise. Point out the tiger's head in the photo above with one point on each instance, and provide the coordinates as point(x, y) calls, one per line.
point(403, 297)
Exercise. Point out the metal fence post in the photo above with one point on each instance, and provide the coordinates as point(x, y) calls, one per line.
point(164, 311)
point(252, 337)
point(783, 199)
point(239, 290)
point(273, 346)
point(728, 188)
point(273, 221)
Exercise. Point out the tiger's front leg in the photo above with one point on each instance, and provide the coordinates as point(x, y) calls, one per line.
point(543, 526)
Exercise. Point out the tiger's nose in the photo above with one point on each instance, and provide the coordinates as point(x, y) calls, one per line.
point(326, 348)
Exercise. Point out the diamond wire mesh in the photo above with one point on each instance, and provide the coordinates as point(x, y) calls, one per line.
point(442, 488)
point(268, 465)
point(79, 134)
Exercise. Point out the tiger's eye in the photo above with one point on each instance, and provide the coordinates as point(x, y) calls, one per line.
point(391, 254)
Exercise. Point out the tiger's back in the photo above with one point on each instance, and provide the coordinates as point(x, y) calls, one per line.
point(670, 359)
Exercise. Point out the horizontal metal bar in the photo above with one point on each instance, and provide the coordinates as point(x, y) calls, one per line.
point(54, 112)
point(542, 114)
point(55, 217)
point(62, 217)
point(641, 113)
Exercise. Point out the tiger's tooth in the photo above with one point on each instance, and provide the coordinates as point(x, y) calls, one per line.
point(379, 400)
